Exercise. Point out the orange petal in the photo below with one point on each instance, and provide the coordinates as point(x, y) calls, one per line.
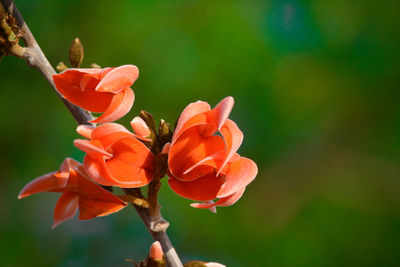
point(189, 149)
point(68, 84)
point(200, 120)
point(166, 148)
point(233, 138)
point(131, 164)
point(118, 79)
point(207, 161)
point(89, 81)
point(67, 166)
point(97, 171)
point(120, 105)
point(140, 127)
point(222, 110)
point(109, 133)
point(85, 131)
point(240, 174)
point(222, 202)
point(230, 200)
point(94, 201)
point(217, 116)
point(45, 183)
point(190, 111)
point(74, 76)
point(93, 148)
point(201, 189)
point(66, 207)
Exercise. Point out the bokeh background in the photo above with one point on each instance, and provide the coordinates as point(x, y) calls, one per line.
point(316, 86)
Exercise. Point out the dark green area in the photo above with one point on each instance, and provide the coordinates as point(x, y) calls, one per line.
point(316, 86)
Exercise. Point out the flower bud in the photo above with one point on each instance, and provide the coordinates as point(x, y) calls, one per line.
point(61, 66)
point(164, 132)
point(76, 53)
point(140, 127)
point(156, 252)
point(148, 118)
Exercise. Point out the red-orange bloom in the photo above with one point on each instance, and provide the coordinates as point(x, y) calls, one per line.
point(78, 192)
point(99, 90)
point(203, 164)
point(114, 156)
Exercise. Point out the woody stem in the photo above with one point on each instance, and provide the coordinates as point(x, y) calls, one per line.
point(157, 227)
point(35, 57)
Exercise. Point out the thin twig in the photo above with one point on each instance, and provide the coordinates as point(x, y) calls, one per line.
point(35, 57)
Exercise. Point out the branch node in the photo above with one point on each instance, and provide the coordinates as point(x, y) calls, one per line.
point(158, 224)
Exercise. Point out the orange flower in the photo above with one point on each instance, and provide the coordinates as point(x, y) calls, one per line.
point(115, 157)
point(99, 90)
point(203, 164)
point(78, 192)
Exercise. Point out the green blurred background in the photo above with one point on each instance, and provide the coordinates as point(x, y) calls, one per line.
point(316, 86)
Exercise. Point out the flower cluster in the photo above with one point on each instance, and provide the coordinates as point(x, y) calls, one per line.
point(199, 156)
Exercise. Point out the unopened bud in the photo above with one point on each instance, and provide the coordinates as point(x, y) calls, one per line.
point(76, 53)
point(164, 132)
point(156, 252)
point(140, 127)
point(61, 66)
point(148, 119)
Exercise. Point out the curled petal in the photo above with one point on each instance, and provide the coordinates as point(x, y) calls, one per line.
point(189, 149)
point(131, 164)
point(44, 183)
point(66, 207)
point(110, 133)
point(140, 127)
point(93, 148)
point(190, 111)
point(207, 161)
point(230, 200)
point(202, 189)
point(217, 116)
point(221, 111)
point(118, 79)
point(120, 104)
point(166, 148)
point(97, 171)
point(240, 174)
point(85, 131)
point(68, 84)
point(233, 138)
point(222, 202)
point(67, 166)
point(94, 201)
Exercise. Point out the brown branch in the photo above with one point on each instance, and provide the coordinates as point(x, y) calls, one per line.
point(161, 235)
point(35, 57)
point(156, 225)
